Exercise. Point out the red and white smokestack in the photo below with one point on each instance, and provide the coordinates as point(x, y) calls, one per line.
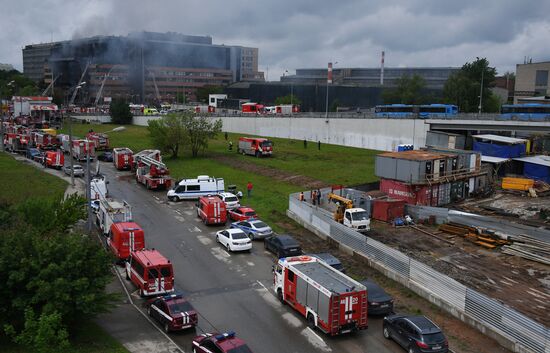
point(382, 69)
point(329, 74)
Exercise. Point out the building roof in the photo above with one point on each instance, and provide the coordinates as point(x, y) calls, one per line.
point(540, 160)
point(496, 160)
point(416, 155)
point(498, 138)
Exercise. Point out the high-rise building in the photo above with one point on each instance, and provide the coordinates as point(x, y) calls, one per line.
point(143, 66)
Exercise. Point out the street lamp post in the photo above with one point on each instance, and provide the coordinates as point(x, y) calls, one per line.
point(79, 86)
point(481, 91)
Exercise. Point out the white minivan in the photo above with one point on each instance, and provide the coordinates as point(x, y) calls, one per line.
point(191, 189)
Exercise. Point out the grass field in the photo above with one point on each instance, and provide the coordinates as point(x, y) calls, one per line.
point(331, 165)
point(87, 338)
point(20, 181)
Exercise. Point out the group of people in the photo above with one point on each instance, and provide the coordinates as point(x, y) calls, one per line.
point(315, 197)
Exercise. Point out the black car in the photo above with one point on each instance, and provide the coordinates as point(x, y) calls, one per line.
point(417, 334)
point(330, 260)
point(379, 302)
point(282, 245)
point(105, 156)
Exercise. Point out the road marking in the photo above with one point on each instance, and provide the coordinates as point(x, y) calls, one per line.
point(221, 255)
point(315, 339)
point(180, 218)
point(250, 263)
point(196, 229)
point(261, 284)
point(189, 213)
point(292, 319)
point(204, 240)
point(177, 211)
point(269, 298)
point(155, 197)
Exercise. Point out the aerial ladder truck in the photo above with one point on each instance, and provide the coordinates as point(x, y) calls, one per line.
point(152, 173)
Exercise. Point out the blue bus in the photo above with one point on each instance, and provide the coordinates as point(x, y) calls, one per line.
point(527, 111)
point(409, 111)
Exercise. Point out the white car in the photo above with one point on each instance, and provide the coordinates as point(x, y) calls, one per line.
point(231, 201)
point(234, 240)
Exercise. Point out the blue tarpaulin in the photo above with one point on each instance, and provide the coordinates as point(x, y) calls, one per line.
point(536, 171)
point(496, 150)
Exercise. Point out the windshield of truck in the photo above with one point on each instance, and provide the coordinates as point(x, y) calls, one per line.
point(266, 144)
point(360, 216)
point(231, 199)
point(239, 235)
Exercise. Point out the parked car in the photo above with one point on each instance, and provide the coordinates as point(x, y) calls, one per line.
point(219, 343)
point(330, 260)
point(379, 302)
point(105, 156)
point(78, 170)
point(231, 201)
point(417, 334)
point(234, 239)
point(282, 245)
point(31, 152)
point(242, 213)
point(173, 312)
point(255, 229)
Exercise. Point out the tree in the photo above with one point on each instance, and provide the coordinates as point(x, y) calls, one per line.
point(168, 133)
point(200, 129)
point(463, 87)
point(203, 92)
point(51, 278)
point(120, 112)
point(288, 99)
point(409, 90)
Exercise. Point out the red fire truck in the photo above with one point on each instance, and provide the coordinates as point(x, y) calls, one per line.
point(252, 108)
point(255, 146)
point(287, 109)
point(151, 272)
point(99, 140)
point(12, 142)
point(211, 210)
point(330, 300)
point(81, 148)
point(54, 159)
point(205, 109)
point(152, 173)
point(124, 238)
point(155, 154)
point(123, 158)
point(41, 139)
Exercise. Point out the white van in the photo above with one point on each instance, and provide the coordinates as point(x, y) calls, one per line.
point(98, 187)
point(190, 189)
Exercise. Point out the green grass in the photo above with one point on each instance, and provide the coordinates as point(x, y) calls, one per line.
point(87, 338)
point(332, 165)
point(21, 181)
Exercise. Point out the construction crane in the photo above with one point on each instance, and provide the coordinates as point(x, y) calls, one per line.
point(100, 91)
point(343, 204)
point(50, 86)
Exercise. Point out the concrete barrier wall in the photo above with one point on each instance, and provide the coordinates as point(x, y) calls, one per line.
point(376, 134)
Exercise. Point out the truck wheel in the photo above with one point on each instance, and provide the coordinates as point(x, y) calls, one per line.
point(127, 277)
point(386, 333)
point(280, 296)
point(310, 321)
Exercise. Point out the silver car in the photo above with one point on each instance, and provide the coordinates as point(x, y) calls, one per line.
point(254, 228)
point(78, 170)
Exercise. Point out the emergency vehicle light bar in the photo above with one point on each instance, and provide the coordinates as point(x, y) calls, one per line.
point(173, 296)
point(225, 336)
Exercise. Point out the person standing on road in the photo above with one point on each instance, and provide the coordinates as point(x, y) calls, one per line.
point(302, 197)
point(314, 197)
point(319, 197)
point(249, 187)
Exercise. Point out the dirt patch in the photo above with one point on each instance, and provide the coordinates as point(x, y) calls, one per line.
point(519, 283)
point(462, 338)
point(280, 175)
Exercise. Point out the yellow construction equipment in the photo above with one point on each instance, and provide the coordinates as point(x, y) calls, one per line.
point(517, 183)
point(343, 204)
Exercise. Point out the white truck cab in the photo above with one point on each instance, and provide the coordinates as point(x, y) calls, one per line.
point(358, 219)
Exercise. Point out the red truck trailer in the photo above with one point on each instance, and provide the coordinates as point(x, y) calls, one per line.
point(151, 272)
point(211, 209)
point(81, 148)
point(255, 146)
point(99, 140)
point(153, 174)
point(124, 238)
point(123, 158)
point(330, 300)
point(54, 159)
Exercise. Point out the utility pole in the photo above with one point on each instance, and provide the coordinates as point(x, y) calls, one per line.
point(88, 192)
point(481, 91)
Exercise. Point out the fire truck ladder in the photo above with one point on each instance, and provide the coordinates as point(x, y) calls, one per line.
point(145, 153)
point(50, 85)
point(155, 83)
point(148, 161)
point(100, 91)
point(335, 313)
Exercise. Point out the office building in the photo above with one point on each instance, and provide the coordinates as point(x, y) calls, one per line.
point(531, 81)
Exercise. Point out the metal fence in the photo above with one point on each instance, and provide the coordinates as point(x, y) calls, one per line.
point(516, 331)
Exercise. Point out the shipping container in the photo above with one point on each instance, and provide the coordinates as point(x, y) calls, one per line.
point(445, 140)
point(414, 167)
point(387, 210)
point(426, 195)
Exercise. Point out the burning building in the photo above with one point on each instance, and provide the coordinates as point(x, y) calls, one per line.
point(141, 67)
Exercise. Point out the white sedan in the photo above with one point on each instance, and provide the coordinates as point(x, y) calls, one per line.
point(234, 240)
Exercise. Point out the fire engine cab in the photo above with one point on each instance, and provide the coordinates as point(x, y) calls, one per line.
point(152, 173)
point(99, 140)
point(255, 146)
point(81, 148)
point(151, 272)
point(124, 238)
point(211, 210)
point(111, 211)
point(123, 158)
point(54, 159)
point(327, 298)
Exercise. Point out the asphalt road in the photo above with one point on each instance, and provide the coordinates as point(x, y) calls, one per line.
point(230, 291)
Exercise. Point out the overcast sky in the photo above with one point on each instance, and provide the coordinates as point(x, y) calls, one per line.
point(304, 33)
